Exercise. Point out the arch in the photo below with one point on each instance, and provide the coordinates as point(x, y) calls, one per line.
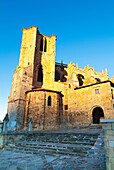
point(97, 80)
point(41, 44)
point(97, 113)
point(49, 100)
point(80, 79)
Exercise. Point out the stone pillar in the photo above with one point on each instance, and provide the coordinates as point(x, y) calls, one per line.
point(108, 130)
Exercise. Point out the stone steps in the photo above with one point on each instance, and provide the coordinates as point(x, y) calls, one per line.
point(52, 143)
point(50, 148)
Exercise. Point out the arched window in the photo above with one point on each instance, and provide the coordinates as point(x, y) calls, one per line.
point(41, 44)
point(97, 80)
point(45, 45)
point(40, 74)
point(49, 100)
point(80, 79)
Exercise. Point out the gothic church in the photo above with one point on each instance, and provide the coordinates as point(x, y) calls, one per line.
point(55, 95)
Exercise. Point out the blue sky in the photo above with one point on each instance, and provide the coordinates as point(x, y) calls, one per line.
point(84, 30)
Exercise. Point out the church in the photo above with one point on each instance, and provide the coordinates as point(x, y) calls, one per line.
point(55, 95)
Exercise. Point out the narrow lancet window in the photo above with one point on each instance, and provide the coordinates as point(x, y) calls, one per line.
point(45, 46)
point(41, 44)
point(49, 100)
point(40, 74)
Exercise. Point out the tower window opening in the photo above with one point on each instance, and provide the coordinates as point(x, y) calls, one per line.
point(45, 46)
point(41, 44)
point(49, 100)
point(40, 74)
point(112, 94)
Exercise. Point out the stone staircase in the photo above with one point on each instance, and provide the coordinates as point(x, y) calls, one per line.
point(52, 143)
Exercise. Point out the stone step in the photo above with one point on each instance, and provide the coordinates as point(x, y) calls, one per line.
point(57, 139)
point(82, 142)
point(55, 145)
point(50, 149)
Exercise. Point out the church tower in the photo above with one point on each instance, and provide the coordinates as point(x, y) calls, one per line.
point(36, 69)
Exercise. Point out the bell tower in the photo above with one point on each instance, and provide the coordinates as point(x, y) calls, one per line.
point(36, 69)
point(44, 63)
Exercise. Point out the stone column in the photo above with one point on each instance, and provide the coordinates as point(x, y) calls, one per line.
point(108, 130)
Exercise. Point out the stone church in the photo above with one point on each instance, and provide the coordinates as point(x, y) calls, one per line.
point(56, 95)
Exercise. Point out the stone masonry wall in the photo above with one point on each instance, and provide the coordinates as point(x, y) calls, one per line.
point(108, 128)
point(28, 45)
point(43, 116)
point(81, 103)
point(22, 78)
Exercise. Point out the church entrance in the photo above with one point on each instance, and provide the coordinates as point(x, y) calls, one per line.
point(97, 114)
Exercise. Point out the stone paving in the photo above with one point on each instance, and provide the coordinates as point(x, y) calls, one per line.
point(94, 160)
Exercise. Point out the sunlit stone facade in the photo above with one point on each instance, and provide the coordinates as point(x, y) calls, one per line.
point(56, 95)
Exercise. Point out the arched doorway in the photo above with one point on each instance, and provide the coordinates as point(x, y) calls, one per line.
point(97, 114)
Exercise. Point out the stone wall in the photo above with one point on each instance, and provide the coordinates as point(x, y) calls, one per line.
point(44, 116)
point(108, 127)
point(22, 81)
point(28, 45)
point(83, 100)
point(22, 78)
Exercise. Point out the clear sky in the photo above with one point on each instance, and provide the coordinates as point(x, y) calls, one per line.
point(84, 30)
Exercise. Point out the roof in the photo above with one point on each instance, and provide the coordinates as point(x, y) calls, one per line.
point(45, 90)
point(107, 81)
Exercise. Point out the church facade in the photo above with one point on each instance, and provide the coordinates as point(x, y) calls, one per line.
point(56, 95)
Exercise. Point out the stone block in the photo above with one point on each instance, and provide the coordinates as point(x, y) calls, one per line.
point(111, 144)
point(107, 126)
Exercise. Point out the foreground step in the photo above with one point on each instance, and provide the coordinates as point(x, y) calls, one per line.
point(49, 148)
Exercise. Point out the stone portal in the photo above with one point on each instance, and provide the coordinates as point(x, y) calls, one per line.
point(97, 114)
